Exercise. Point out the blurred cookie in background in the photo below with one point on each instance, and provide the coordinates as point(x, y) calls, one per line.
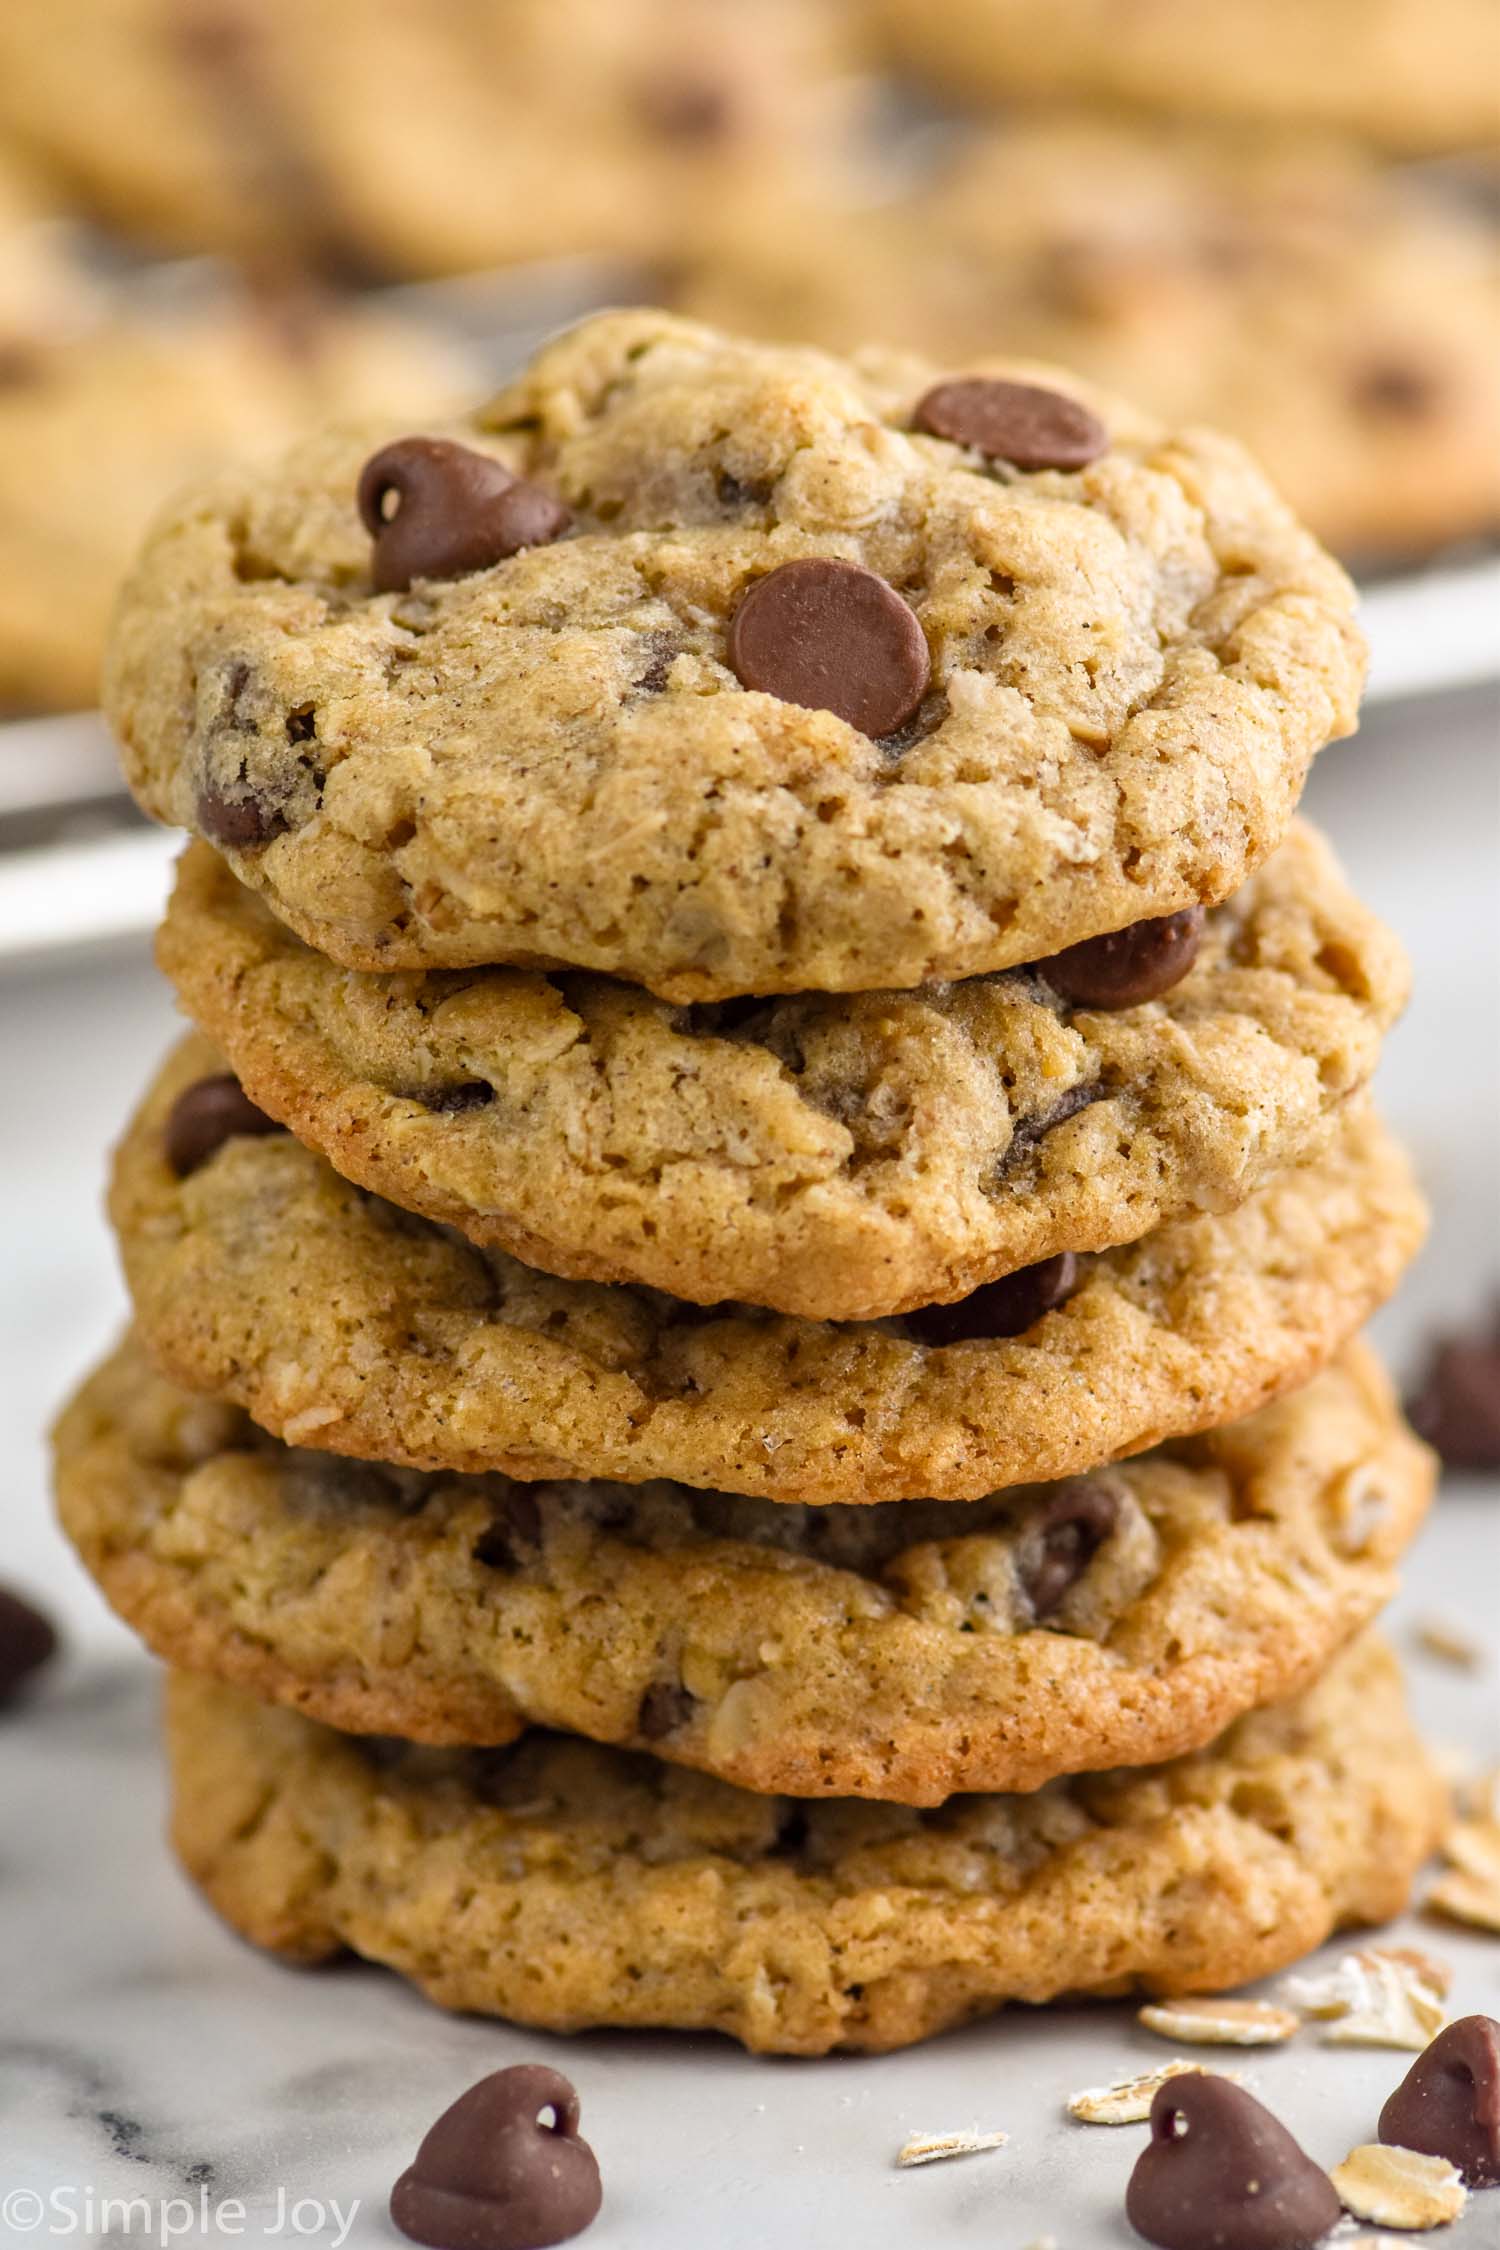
point(1340, 316)
point(414, 137)
point(1410, 74)
point(104, 413)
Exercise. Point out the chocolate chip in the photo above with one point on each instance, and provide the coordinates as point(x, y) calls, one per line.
point(1221, 2171)
point(1448, 2104)
point(738, 492)
point(1457, 1408)
point(664, 1708)
point(1007, 1307)
point(517, 1527)
point(1017, 422)
point(210, 1113)
point(832, 637)
point(1028, 1132)
point(683, 108)
point(241, 824)
point(21, 364)
point(1061, 1540)
point(1395, 389)
point(1127, 967)
point(27, 1642)
point(490, 2175)
point(456, 511)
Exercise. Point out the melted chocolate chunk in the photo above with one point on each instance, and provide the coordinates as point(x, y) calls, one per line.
point(831, 636)
point(493, 2174)
point(1221, 2173)
point(1127, 967)
point(664, 1708)
point(1060, 1542)
point(1448, 2104)
point(207, 1115)
point(1007, 1307)
point(28, 1640)
point(438, 510)
point(241, 823)
point(1021, 423)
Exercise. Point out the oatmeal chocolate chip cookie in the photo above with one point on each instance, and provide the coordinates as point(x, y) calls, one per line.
point(564, 1885)
point(793, 695)
point(1339, 316)
point(381, 136)
point(337, 1320)
point(101, 419)
point(1414, 74)
point(834, 1156)
point(904, 1650)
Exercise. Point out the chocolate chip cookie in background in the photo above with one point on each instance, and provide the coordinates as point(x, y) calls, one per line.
point(1415, 75)
point(490, 2175)
point(537, 1882)
point(901, 1651)
point(1128, 666)
point(833, 1156)
point(377, 137)
point(104, 415)
point(1337, 314)
point(338, 1320)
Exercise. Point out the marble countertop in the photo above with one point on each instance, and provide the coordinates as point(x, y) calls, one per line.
point(146, 2055)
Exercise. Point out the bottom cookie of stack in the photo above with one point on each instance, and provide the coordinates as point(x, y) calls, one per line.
point(564, 1884)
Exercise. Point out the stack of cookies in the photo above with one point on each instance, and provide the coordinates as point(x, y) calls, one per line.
point(745, 1409)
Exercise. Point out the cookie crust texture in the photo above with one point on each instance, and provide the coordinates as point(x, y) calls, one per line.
point(565, 1886)
point(839, 1157)
point(896, 1652)
point(550, 762)
point(339, 1321)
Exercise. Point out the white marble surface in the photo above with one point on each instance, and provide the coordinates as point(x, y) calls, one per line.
point(146, 2054)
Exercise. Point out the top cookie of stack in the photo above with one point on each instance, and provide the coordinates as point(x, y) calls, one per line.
point(733, 670)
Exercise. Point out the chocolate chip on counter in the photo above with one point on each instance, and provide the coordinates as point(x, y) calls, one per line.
point(240, 824)
point(664, 1708)
point(1448, 2104)
point(832, 636)
point(27, 1642)
point(1021, 423)
point(1127, 967)
point(455, 511)
point(1457, 1406)
point(1061, 1540)
point(210, 1113)
point(1221, 2171)
point(492, 2175)
point(1007, 1307)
